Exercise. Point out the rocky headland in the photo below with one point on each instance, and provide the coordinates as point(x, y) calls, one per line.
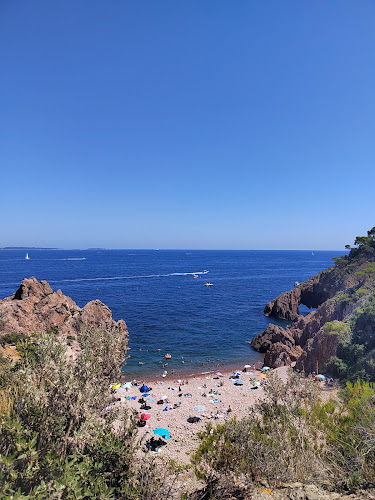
point(36, 308)
point(338, 295)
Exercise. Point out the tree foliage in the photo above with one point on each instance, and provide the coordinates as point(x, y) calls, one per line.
point(293, 436)
point(55, 440)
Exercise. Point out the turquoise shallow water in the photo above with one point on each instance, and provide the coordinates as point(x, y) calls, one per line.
point(164, 306)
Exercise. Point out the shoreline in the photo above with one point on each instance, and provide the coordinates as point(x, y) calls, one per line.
point(177, 373)
point(172, 402)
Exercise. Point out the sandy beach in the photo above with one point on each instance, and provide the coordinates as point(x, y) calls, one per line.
point(213, 397)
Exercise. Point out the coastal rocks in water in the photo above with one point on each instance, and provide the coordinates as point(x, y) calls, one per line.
point(36, 308)
point(312, 293)
point(285, 306)
point(337, 294)
point(271, 335)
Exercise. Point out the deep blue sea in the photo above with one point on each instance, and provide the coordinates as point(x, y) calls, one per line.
point(164, 306)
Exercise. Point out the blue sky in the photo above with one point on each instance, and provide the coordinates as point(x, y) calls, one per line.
point(187, 124)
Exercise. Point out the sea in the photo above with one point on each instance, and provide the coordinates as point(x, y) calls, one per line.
point(166, 309)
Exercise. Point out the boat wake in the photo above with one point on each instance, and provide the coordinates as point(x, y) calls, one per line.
point(109, 278)
point(114, 278)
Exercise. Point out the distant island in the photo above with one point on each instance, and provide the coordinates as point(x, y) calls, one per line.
point(29, 248)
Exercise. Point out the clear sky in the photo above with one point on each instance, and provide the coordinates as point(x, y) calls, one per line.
point(187, 124)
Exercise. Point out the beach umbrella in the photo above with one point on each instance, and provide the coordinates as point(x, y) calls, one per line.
point(262, 375)
point(199, 408)
point(144, 388)
point(238, 382)
point(219, 374)
point(116, 386)
point(265, 368)
point(127, 385)
point(162, 432)
point(145, 416)
point(164, 397)
point(320, 377)
point(149, 399)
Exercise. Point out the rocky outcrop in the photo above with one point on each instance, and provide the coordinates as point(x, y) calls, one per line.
point(312, 293)
point(271, 335)
point(36, 308)
point(281, 354)
point(336, 294)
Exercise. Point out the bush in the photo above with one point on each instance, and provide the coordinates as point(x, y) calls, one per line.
point(55, 440)
point(337, 328)
point(293, 436)
point(12, 338)
point(277, 442)
point(355, 358)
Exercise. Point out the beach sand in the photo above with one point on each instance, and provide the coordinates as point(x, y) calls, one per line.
point(216, 393)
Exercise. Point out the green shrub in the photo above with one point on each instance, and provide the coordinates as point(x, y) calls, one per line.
point(293, 436)
point(337, 328)
point(367, 271)
point(55, 440)
point(12, 338)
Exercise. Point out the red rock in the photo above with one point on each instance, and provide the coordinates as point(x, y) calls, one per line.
point(36, 308)
point(272, 334)
point(280, 355)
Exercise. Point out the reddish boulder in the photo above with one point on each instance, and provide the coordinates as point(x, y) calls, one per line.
point(36, 308)
point(280, 355)
point(271, 335)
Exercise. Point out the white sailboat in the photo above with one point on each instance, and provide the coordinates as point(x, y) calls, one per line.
point(27, 256)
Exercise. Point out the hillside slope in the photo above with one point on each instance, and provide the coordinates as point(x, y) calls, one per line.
point(340, 333)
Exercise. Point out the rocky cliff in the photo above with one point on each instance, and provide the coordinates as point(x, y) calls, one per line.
point(36, 308)
point(309, 342)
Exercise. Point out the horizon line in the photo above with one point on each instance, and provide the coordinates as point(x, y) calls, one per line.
point(23, 248)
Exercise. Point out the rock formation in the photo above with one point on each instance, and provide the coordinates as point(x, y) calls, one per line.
point(36, 308)
point(336, 294)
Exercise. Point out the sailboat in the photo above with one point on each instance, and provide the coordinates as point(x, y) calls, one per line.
point(27, 256)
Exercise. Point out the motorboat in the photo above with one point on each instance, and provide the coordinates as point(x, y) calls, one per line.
point(208, 284)
point(205, 271)
point(195, 276)
point(168, 356)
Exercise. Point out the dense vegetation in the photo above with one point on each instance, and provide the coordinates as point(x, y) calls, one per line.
point(355, 359)
point(55, 440)
point(293, 436)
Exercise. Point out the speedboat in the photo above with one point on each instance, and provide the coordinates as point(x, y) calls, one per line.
point(208, 284)
point(205, 271)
